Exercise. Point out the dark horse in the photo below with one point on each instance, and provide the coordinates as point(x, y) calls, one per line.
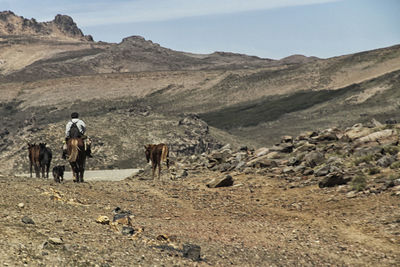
point(40, 157)
point(45, 157)
point(157, 154)
point(33, 153)
point(76, 157)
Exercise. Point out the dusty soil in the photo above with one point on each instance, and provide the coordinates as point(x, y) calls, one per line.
point(260, 221)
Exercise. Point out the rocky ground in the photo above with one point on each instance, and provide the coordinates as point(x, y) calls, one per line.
point(323, 198)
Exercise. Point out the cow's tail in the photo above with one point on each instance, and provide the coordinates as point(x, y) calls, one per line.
point(165, 154)
point(74, 150)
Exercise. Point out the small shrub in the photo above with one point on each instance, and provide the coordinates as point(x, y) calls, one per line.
point(389, 126)
point(366, 159)
point(359, 183)
point(394, 177)
point(395, 165)
point(374, 170)
point(392, 150)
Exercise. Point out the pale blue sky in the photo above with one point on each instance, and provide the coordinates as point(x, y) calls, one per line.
point(265, 28)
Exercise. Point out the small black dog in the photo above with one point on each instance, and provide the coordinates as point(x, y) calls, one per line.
point(58, 173)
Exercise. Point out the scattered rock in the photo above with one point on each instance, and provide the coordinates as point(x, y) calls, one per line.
point(55, 241)
point(381, 137)
point(27, 220)
point(181, 174)
point(221, 182)
point(262, 162)
point(322, 171)
point(123, 218)
point(103, 219)
point(357, 131)
point(333, 179)
point(127, 230)
point(192, 252)
point(386, 161)
point(376, 123)
point(313, 159)
point(304, 147)
point(351, 194)
point(286, 139)
point(261, 151)
point(283, 148)
point(21, 205)
point(162, 237)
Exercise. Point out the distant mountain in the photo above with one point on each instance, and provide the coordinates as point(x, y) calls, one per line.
point(62, 27)
point(59, 49)
point(297, 59)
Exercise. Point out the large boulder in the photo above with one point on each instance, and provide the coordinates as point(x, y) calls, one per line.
point(314, 158)
point(386, 161)
point(287, 139)
point(306, 135)
point(304, 146)
point(333, 179)
point(325, 170)
point(261, 151)
point(262, 162)
point(221, 182)
point(327, 136)
point(191, 251)
point(283, 147)
point(380, 137)
point(365, 151)
point(357, 131)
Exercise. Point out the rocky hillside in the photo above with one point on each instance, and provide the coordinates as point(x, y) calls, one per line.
point(365, 158)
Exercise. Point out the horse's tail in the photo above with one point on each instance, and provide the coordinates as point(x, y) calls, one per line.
point(74, 150)
point(164, 154)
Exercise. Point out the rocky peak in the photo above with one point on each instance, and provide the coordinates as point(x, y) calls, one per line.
point(67, 25)
point(5, 14)
point(137, 41)
point(62, 27)
point(297, 59)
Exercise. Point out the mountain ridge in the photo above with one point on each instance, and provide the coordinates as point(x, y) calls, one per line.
point(132, 54)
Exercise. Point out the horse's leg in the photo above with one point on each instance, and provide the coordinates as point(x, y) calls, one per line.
point(47, 170)
point(154, 168)
point(81, 171)
point(30, 169)
point(37, 170)
point(74, 174)
point(159, 170)
point(42, 168)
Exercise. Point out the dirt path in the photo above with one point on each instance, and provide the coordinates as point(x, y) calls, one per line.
point(258, 222)
point(99, 175)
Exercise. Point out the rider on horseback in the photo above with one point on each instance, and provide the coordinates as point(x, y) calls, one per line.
point(76, 128)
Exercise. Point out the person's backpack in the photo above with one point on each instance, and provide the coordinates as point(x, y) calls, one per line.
point(74, 131)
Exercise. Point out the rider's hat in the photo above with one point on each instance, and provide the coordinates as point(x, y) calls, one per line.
point(74, 115)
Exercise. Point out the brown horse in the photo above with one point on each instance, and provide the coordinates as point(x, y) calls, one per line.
point(33, 154)
point(157, 154)
point(76, 157)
